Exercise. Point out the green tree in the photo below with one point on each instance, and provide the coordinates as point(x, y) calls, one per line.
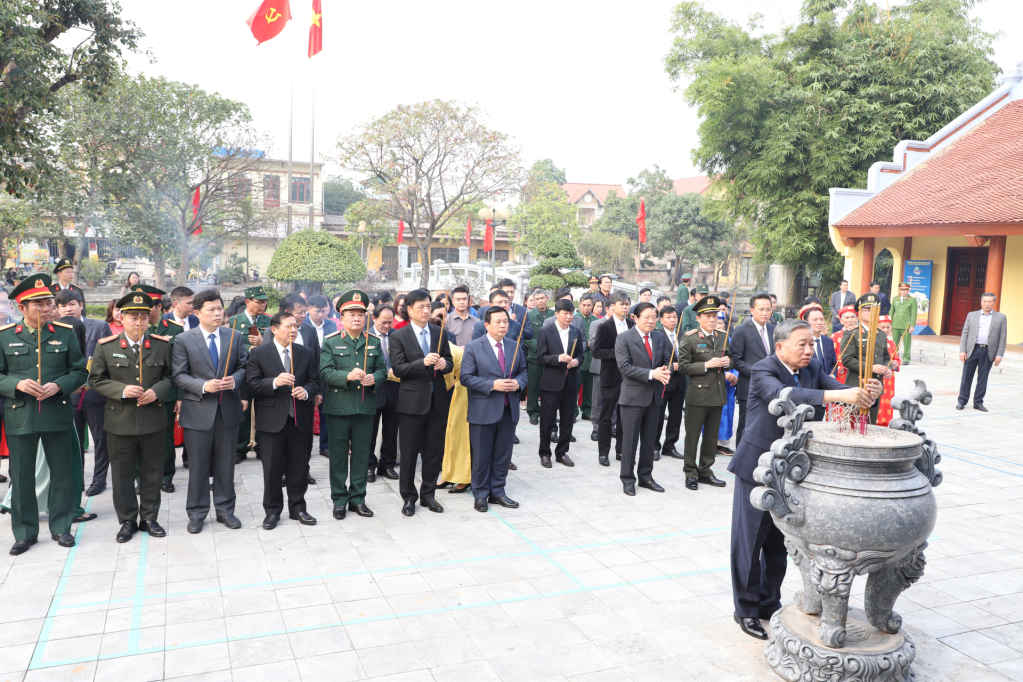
point(546, 171)
point(338, 194)
point(607, 252)
point(559, 265)
point(544, 213)
point(38, 58)
point(786, 117)
point(619, 216)
point(678, 223)
point(315, 258)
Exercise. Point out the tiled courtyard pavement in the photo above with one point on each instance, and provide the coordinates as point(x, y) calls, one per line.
point(581, 583)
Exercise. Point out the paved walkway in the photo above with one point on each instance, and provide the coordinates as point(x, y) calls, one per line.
point(581, 583)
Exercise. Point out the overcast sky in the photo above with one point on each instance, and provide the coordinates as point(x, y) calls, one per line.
point(580, 82)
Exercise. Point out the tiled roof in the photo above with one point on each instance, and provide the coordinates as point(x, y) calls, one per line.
point(697, 184)
point(577, 190)
point(976, 179)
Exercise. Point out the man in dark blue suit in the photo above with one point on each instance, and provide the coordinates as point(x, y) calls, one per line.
point(823, 347)
point(317, 325)
point(502, 299)
point(494, 386)
point(181, 308)
point(387, 404)
point(758, 547)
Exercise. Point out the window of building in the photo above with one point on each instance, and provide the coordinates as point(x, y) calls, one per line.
point(501, 254)
point(747, 275)
point(241, 186)
point(301, 191)
point(271, 190)
point(445, 254)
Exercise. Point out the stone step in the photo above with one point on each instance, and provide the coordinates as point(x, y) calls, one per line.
point(947, 355)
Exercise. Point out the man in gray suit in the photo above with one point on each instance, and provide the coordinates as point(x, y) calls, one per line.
point(642, 358)
point(839, 300)
point(981, 346)
point(494, 387)
point(209, 367)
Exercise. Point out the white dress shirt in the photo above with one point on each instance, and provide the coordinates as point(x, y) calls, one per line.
point(493, 346)
point(183, 323)
point(621, 325)
point(762, 333)
point(319, 331)
point(216, 341)
point(984, 328)
point(285, 361)
point(563, 333)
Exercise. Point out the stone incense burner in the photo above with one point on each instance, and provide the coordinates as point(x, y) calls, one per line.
point(848, 504)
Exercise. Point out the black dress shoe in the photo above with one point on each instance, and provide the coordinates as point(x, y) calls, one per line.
point(554, 435)
point(515, 440)
point(239, 459)
point(979, 407)
point(230, 521)
point(195, 525)
point(545, 461)
point(566, 460)
point(167, 487)
point(657, 456)
point(711, 480)
point(674, 453)
point(64, 539)
point(339, 512)
point(629, 489)
point(3, 479)
point(312, 481)
point(86, 516)
point(371, 476)
point(594, 435)
point(389, 473)
point(304, 518)
point(93, 490)
point(324, 453)
point(128, 528)
point(512, 467)
point(284, 480)
point(571, 439)
point(751, 626)
point(479, 505)
point(618, 457)
point(503, 501)
point(692, 484)
point(456, 489)
point(360, 509)
point(651, 485)
point(432, 504)
point(21, 546)
point(534, 420)
point(184, 463)
point(960, 406)
point(604, 461)
point(154, 529)
point(270, 522)
point(409, 508)
point(725, 450)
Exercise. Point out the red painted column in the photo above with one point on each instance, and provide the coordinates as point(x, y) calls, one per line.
point(867, 267)
point(995, 268)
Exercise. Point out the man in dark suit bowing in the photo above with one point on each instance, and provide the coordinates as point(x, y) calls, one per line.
point(283, 380)
point(751, 342)
point(420, 360)
point(642, 358)
point(603, 349)
point(758, 554)
point(494, 386)
point(559, 351)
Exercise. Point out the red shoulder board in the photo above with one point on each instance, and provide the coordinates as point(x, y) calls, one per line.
point(124, 343)
point(147, 343)
point(690, 332)
point(107, 339)
point(50, 327)
point(165, 325)
point(18, 330)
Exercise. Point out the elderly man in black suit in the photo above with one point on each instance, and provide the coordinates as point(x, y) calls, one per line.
point(751, 343)
point(387, 404)
point(420, 360)
point(758, 554)
point(642, 358)
point(610, 378)
point(559, 350)
point(284, 381)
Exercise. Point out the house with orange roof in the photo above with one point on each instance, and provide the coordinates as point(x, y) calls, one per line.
point(590, 198)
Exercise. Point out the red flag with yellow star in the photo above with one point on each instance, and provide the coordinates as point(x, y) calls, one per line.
point(316, 30)
point(269, 19)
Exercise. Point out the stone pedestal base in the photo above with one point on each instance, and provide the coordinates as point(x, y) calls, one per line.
point(869, 655)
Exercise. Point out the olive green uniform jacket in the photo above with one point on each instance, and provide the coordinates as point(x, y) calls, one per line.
point(115, 367)
point(851, 354)
point(341, 354)
point(903, 313)
point(241, 323)
point(707, 387)
point(536, 318)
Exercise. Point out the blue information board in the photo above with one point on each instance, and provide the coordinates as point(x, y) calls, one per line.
point(918, 276)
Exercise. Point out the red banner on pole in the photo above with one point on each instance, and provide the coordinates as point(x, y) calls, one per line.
point(641, 221)
point(269, 20)
point(195, 213)
point(316, 30)
point(401, 231)
point(468, 231)
point(488, 237)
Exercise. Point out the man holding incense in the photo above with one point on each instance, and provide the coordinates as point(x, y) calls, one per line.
point(865, 349)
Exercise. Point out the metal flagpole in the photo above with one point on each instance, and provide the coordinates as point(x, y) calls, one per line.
point(312, 147)
point(291, 133)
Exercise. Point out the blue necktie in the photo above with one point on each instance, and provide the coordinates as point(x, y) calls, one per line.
point(214, 355)
point(795, 377)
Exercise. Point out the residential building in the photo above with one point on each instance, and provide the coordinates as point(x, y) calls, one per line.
point(589, 199)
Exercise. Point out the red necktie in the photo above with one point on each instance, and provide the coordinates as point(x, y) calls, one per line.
point(646, 340)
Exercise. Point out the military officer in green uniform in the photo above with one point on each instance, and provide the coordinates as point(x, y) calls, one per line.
point(584, 314)
point(851, 353)
point(65, 272)
point(703, 356)
point(41, 365)
point(904, 321)
point(252, 316)
point(351, 367)
point(536, 316)
point(689, 321)
point(132, 370)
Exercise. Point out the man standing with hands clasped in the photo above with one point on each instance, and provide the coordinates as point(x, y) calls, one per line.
point(559, 351)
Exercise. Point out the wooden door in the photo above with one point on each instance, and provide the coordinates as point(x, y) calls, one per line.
point(966, 276)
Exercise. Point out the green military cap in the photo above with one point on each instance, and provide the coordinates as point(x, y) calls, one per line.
point(904, 284)
point(686, 277)
point(868, 300)
point(354, 299)
point(136, 301)
point(702, 289)
point(32, 287)
point(256, 293)
point(707, 304)
point(155, 294)
point(594, 278)
point(62, 264)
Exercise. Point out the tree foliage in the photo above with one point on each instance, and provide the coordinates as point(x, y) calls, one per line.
point(619, 215)
point(678, 223)
point(557, 253)
point(543, 213)
point(607, 252)
point(340, 193)
point(36, 64)
point(309, 256)
point(545, 171)
point(428, 162)
point(786, 117)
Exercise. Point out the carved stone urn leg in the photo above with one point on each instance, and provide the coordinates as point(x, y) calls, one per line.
point(834, 612)
point(808, 599)
point(886, 584)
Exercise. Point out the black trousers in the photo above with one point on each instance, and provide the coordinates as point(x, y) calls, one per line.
point(640, 427)
point(388, 414)
point(421, 433)
point(740, 426)
point(285, 452)
point(980, 363)
point(491, 454)
point(758, 557)
point(707, 419)
point(609, 409)
point(553, 404)
point(676, 409)
point(101, 458)
point(130, 455)
point(80, 423)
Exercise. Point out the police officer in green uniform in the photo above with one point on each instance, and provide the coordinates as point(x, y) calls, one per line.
point(536, 316)
point(689, 321)
point(851, 353)
point(136, 420)
point(41, 365)
point(584, 314)
point(351, 367)
point(65, 272)
point(904, 321)
point(252, 316)
point(703, 356)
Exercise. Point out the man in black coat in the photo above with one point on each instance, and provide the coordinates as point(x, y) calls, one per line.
point(751, 342)
point(559, 350)
point(387, 404)
point(758, 555)
point(675, 391)
point(283, 379)
point(610, 378)
point(420, 360)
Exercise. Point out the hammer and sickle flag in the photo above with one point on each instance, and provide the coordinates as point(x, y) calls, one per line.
point(269, 19)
